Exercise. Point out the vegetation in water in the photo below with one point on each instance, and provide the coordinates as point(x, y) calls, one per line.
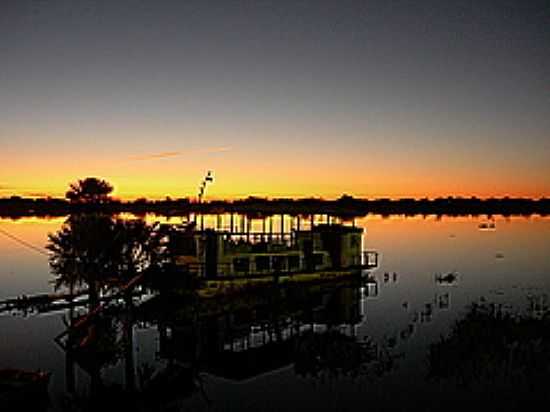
point(491, 347)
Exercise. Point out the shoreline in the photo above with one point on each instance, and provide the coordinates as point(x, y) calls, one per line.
point(345, 207)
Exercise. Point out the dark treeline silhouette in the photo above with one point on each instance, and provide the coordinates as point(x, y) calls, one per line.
point(346, 206)
point(93, 195)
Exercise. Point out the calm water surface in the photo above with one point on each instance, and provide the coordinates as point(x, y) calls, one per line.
point(400, 312)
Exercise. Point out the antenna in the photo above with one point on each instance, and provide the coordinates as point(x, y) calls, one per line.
point(209, 178)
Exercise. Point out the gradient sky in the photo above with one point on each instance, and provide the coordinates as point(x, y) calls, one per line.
point(279, 98)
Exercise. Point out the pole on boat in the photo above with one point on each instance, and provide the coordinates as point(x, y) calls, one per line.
point(209, 178)
point(241, 223)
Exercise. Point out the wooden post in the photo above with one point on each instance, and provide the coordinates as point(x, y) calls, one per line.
point(70, 376)
point(129, 365)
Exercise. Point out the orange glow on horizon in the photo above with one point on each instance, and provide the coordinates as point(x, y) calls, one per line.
point(154, 190)
point(242, 174)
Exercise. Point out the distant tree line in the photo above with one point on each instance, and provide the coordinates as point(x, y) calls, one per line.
point(92, 195)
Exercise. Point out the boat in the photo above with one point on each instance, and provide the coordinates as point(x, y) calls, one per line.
point(225, 262)
point(18, 386)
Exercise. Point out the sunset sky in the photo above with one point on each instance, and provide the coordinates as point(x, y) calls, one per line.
point(278, 98)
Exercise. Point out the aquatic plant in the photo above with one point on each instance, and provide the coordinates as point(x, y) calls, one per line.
point(493, 347)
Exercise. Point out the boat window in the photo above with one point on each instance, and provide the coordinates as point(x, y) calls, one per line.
point(293, 262)
point(262, 263)
point(241, 264)
point(184, 244)
point(278, 263)
point(318, 259)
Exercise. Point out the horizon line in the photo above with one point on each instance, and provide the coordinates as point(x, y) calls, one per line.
point(193, 198)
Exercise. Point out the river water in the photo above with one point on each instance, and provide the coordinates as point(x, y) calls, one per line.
point(301, 349)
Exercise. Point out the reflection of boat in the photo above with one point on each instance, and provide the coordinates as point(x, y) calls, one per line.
point(23, 386)
point(312, 328)
point(226, 262)
point(174, 382)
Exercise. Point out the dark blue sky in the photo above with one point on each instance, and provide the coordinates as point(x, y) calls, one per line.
point(393, 97)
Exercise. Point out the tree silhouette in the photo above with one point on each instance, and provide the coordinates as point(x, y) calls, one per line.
point(96, 250)
point(89, 190)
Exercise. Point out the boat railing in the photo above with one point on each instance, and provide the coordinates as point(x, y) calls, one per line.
point(257, 237)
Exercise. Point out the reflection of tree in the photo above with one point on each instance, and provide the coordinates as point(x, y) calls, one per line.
point(489, 346)
point(99, 346)
point(170, 385)
point(333, 354)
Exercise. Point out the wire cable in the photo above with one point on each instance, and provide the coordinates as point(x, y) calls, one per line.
point(24, 243)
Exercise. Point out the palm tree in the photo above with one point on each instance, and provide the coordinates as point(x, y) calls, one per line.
point(95, 249)
point(80, 252)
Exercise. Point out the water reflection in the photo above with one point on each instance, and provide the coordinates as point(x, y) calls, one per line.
point(312, 329)
point(375, 337)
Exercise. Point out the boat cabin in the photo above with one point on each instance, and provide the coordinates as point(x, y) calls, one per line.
point(218, 254)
